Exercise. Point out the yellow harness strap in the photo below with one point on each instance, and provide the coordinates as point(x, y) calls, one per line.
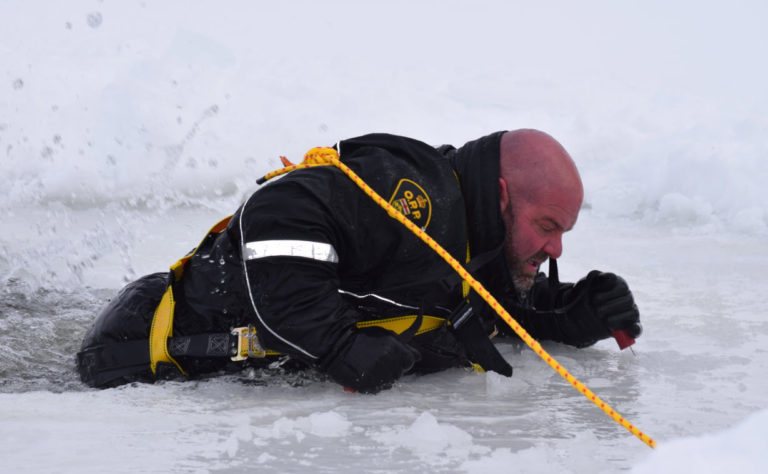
point(161, 330)
point(400, 323)
point(162, 321)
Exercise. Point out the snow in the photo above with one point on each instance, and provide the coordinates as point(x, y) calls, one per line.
point(128, 128)
point(737, 449)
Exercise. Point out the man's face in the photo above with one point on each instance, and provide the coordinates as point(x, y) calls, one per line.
point(534, 232)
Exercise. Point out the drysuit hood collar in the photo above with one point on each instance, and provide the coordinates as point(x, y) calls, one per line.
point(477, 165)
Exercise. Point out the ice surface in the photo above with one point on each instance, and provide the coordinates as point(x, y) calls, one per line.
point(128, 128)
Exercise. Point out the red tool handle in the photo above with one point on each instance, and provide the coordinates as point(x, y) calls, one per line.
point(622, 338)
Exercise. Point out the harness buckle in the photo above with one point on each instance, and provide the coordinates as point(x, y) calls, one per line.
point(245, 344)
point(461, 314)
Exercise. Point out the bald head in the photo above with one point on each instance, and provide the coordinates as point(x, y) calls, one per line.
point(540, 197)
point(534, 164)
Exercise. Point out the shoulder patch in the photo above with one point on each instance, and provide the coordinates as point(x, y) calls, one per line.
point(412, 201)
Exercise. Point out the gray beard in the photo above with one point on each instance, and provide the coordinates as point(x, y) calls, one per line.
point(523, 284)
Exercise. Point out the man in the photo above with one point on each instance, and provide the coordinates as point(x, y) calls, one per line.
point(330, 281)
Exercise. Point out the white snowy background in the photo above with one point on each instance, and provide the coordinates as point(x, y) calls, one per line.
point(127, 128)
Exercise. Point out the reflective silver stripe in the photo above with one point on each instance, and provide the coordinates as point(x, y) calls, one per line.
point(250, 293)
point(290, 248)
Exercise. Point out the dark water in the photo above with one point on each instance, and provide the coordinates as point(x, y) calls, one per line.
point(40, 332)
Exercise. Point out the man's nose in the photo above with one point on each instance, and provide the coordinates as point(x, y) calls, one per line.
point(554, 246)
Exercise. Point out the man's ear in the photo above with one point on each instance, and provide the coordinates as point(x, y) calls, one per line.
point(503, 196)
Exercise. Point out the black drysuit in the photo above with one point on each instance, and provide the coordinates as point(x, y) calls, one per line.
point(309, 256)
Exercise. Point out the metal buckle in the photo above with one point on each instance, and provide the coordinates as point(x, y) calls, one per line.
point(247, 344)
point(461, 314)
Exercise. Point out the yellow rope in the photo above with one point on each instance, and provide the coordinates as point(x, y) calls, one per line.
point(287, 169)
point(331, 157)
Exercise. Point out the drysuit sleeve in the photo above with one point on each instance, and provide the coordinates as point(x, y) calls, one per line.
point(545, 318)
point(294, 239)
point(290, 253)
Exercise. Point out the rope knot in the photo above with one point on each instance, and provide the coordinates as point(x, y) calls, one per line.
point(321, 155)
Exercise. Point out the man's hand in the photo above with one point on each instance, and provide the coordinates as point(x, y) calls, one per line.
point(605, 297)
point(371, 361)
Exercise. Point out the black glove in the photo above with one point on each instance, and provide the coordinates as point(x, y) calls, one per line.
point(601, 303)
point(577, 314)
point(370, 360)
